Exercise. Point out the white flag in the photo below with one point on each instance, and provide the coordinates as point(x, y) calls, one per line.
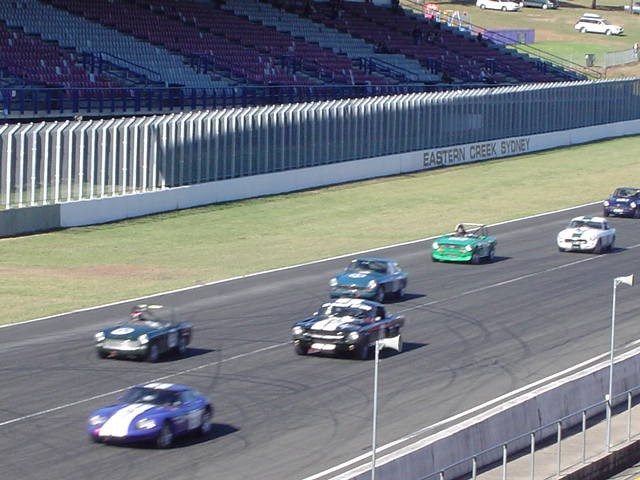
point(628, 280)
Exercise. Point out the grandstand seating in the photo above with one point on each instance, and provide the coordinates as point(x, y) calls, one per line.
point(459, 55)
point(226, 43)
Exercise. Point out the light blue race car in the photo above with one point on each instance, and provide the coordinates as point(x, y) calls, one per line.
point(156, 412)
point(370, 277)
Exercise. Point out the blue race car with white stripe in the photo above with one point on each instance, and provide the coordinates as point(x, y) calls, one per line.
point(156, 412)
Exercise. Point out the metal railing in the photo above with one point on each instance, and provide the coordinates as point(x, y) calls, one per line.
point(570, 441)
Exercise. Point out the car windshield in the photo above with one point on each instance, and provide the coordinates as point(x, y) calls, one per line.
point(344, 311)
point(625, 192)
point(367, 266)
point(586, 223)
point(148, 323)
point(154, 396)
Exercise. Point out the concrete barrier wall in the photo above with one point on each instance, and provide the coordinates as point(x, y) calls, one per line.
point(505, 422)
point(109, 209)
point(20, 221)
point(128, 206)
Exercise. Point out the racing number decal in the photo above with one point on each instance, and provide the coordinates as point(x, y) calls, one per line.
point(172, 339)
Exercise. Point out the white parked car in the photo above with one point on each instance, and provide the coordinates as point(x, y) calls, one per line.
point(587, 234)
point(594, 23)
point(504, 5)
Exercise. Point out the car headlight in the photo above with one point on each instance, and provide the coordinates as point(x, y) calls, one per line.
point(99, 336)
point(353, 336)
point(633, 204)
point(372, 284)
point(96, 420)
point(468, 248)
point(435, 245)
point(333, 282)
point(606, 203)
point(297, 330)
point(145, 423)
point(143, 339)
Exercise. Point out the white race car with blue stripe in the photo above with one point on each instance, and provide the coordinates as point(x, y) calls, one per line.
point(155, 412)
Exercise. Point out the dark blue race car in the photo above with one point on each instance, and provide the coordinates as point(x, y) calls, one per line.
point(624, 202)
point(370, 277)
point(155, 412)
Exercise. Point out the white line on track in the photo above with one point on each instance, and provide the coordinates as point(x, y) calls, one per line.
point(159, 379)
point(290, 267)
point(271, 347)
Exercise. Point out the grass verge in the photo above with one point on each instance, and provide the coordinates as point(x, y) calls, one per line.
point(79, 267)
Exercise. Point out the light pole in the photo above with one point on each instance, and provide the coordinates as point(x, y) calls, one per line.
point(628, 280)
point(393, 342)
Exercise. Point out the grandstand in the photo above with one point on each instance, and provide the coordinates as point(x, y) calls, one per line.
point(97, 57)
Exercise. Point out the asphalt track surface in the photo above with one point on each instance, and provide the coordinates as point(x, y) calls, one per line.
point(473, 333)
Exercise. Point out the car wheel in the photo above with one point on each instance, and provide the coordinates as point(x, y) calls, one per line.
point(301, 348)
point(482, 6)
point(605, 213)
point(401, 293)
point(612, 244)
point(153, 354)
point(492, 255)
point(182, 345)
point(504, 9)
point(363, 350)
point(205, 423)
point(475, 258)
point(165, 438)
point(598, 247)
point(636, 213)
point(583, 30)
point(560, 249)
point(379, 294)
point(434, 259)
point(101, 354)
point(608, 32)
point(544, 6)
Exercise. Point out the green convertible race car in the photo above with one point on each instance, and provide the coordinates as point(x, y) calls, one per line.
point(470, 242)
point(149, 332)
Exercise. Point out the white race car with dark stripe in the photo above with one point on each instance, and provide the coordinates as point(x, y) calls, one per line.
point(155, 412)
point(587, 234)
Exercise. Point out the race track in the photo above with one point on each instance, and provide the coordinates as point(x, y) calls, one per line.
point(473, 333)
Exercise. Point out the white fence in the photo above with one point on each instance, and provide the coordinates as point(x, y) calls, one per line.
point(58, 162)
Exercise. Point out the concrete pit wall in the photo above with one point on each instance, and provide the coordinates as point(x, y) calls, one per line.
point(505, 422)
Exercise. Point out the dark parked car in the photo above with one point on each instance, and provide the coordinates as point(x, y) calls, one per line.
point(544, 4)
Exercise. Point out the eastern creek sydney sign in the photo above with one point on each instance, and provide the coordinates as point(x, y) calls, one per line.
point(475, 152)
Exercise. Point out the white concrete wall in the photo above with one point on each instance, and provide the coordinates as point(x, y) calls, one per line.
point(128, 206)
point(504, 422)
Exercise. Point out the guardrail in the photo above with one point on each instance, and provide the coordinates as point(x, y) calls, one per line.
point(18, 103)
point(571, 441)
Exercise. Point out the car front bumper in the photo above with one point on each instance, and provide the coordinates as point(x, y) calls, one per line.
point(353, 292)
point(111, 350)
point(451, 255)
point(620, 210)
point(130, 437)
point(577, 246)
